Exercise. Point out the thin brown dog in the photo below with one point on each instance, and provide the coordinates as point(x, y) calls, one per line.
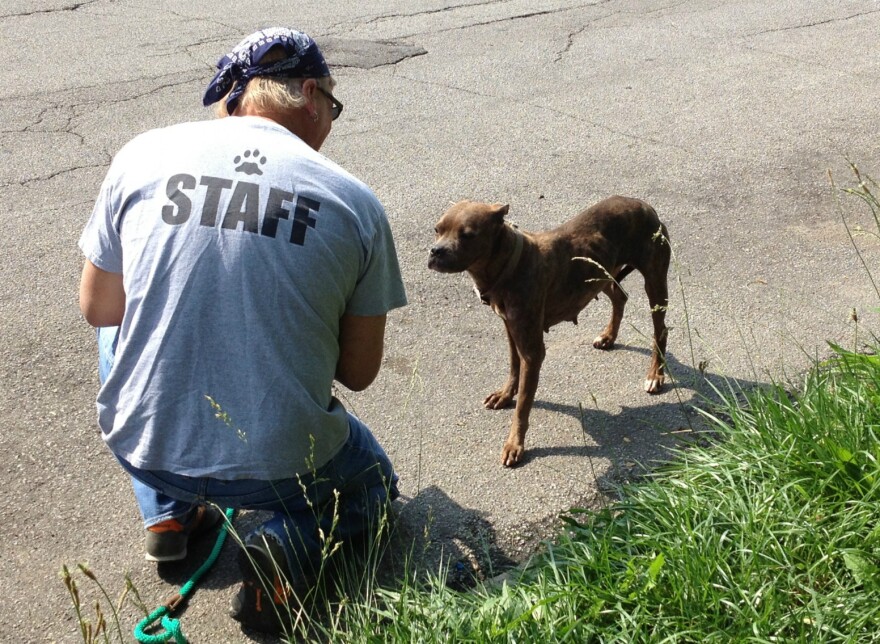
point(536, 280)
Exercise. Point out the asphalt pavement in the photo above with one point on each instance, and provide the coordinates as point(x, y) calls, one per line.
point(726, 116)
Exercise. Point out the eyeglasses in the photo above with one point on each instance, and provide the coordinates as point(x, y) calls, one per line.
point(335, 105)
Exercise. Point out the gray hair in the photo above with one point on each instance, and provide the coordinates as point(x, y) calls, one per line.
point(273, 94)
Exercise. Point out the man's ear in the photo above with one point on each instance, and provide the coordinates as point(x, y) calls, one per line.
point(309, 87)
point(498, 211)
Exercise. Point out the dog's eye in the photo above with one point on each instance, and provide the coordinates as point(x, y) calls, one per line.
point(467, 233)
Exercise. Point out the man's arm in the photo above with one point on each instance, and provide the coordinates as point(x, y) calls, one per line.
point(101, 296)
point(361, 343)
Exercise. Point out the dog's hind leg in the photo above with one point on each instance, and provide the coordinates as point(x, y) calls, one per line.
point(618, 297)
point(658, 297)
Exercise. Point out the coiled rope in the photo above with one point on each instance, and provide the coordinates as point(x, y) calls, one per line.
point(171, 625)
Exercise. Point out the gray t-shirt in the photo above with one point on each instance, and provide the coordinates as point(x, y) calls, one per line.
point(240, 249)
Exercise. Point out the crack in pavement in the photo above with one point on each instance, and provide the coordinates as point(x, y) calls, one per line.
point(813, 24)
point(27, 182)
point(79, 138)
point(669, 6)
point(570, 42)
point(42, 96)
point(153, 90)
point(68, 111)
point(574, 34)
point(531, 14)
point(69, 8)
point(358, 22)
point(204, 19)
point(495, 21)
point(393, 16)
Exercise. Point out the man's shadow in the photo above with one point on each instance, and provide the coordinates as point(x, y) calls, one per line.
point(436, 538)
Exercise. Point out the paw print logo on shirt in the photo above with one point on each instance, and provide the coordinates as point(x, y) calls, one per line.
point(249, 162)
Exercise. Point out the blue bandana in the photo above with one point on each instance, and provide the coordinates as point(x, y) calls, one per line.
point(238, 67)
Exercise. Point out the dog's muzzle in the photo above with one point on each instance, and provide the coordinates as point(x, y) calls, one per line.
point(437, 258)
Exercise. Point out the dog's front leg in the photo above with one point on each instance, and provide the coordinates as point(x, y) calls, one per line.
point(530, 347)
point(504, 396)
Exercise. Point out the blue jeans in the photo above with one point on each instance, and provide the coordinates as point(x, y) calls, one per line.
point(353, 490)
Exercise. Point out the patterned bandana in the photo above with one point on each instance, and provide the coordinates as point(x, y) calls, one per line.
point(238, 67)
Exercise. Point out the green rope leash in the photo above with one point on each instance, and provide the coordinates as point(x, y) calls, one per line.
point(172, 626)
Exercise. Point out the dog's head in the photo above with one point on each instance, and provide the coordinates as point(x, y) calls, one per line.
point(466, 234)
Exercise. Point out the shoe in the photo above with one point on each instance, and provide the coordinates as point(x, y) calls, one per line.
point(262, 602)
point(167, 541)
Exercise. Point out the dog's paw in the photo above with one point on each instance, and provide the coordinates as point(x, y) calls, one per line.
point(511, 454)
point(603, 342)
point(654, 384)
point(498, 400)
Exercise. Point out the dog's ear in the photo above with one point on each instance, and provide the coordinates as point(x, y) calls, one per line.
point(498, 211)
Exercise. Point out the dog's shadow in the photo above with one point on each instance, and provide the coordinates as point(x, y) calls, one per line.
point(643, 432)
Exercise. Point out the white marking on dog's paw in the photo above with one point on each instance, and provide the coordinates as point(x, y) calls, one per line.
point(601, 342)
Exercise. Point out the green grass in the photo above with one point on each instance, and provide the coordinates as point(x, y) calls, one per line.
point(769, 533)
